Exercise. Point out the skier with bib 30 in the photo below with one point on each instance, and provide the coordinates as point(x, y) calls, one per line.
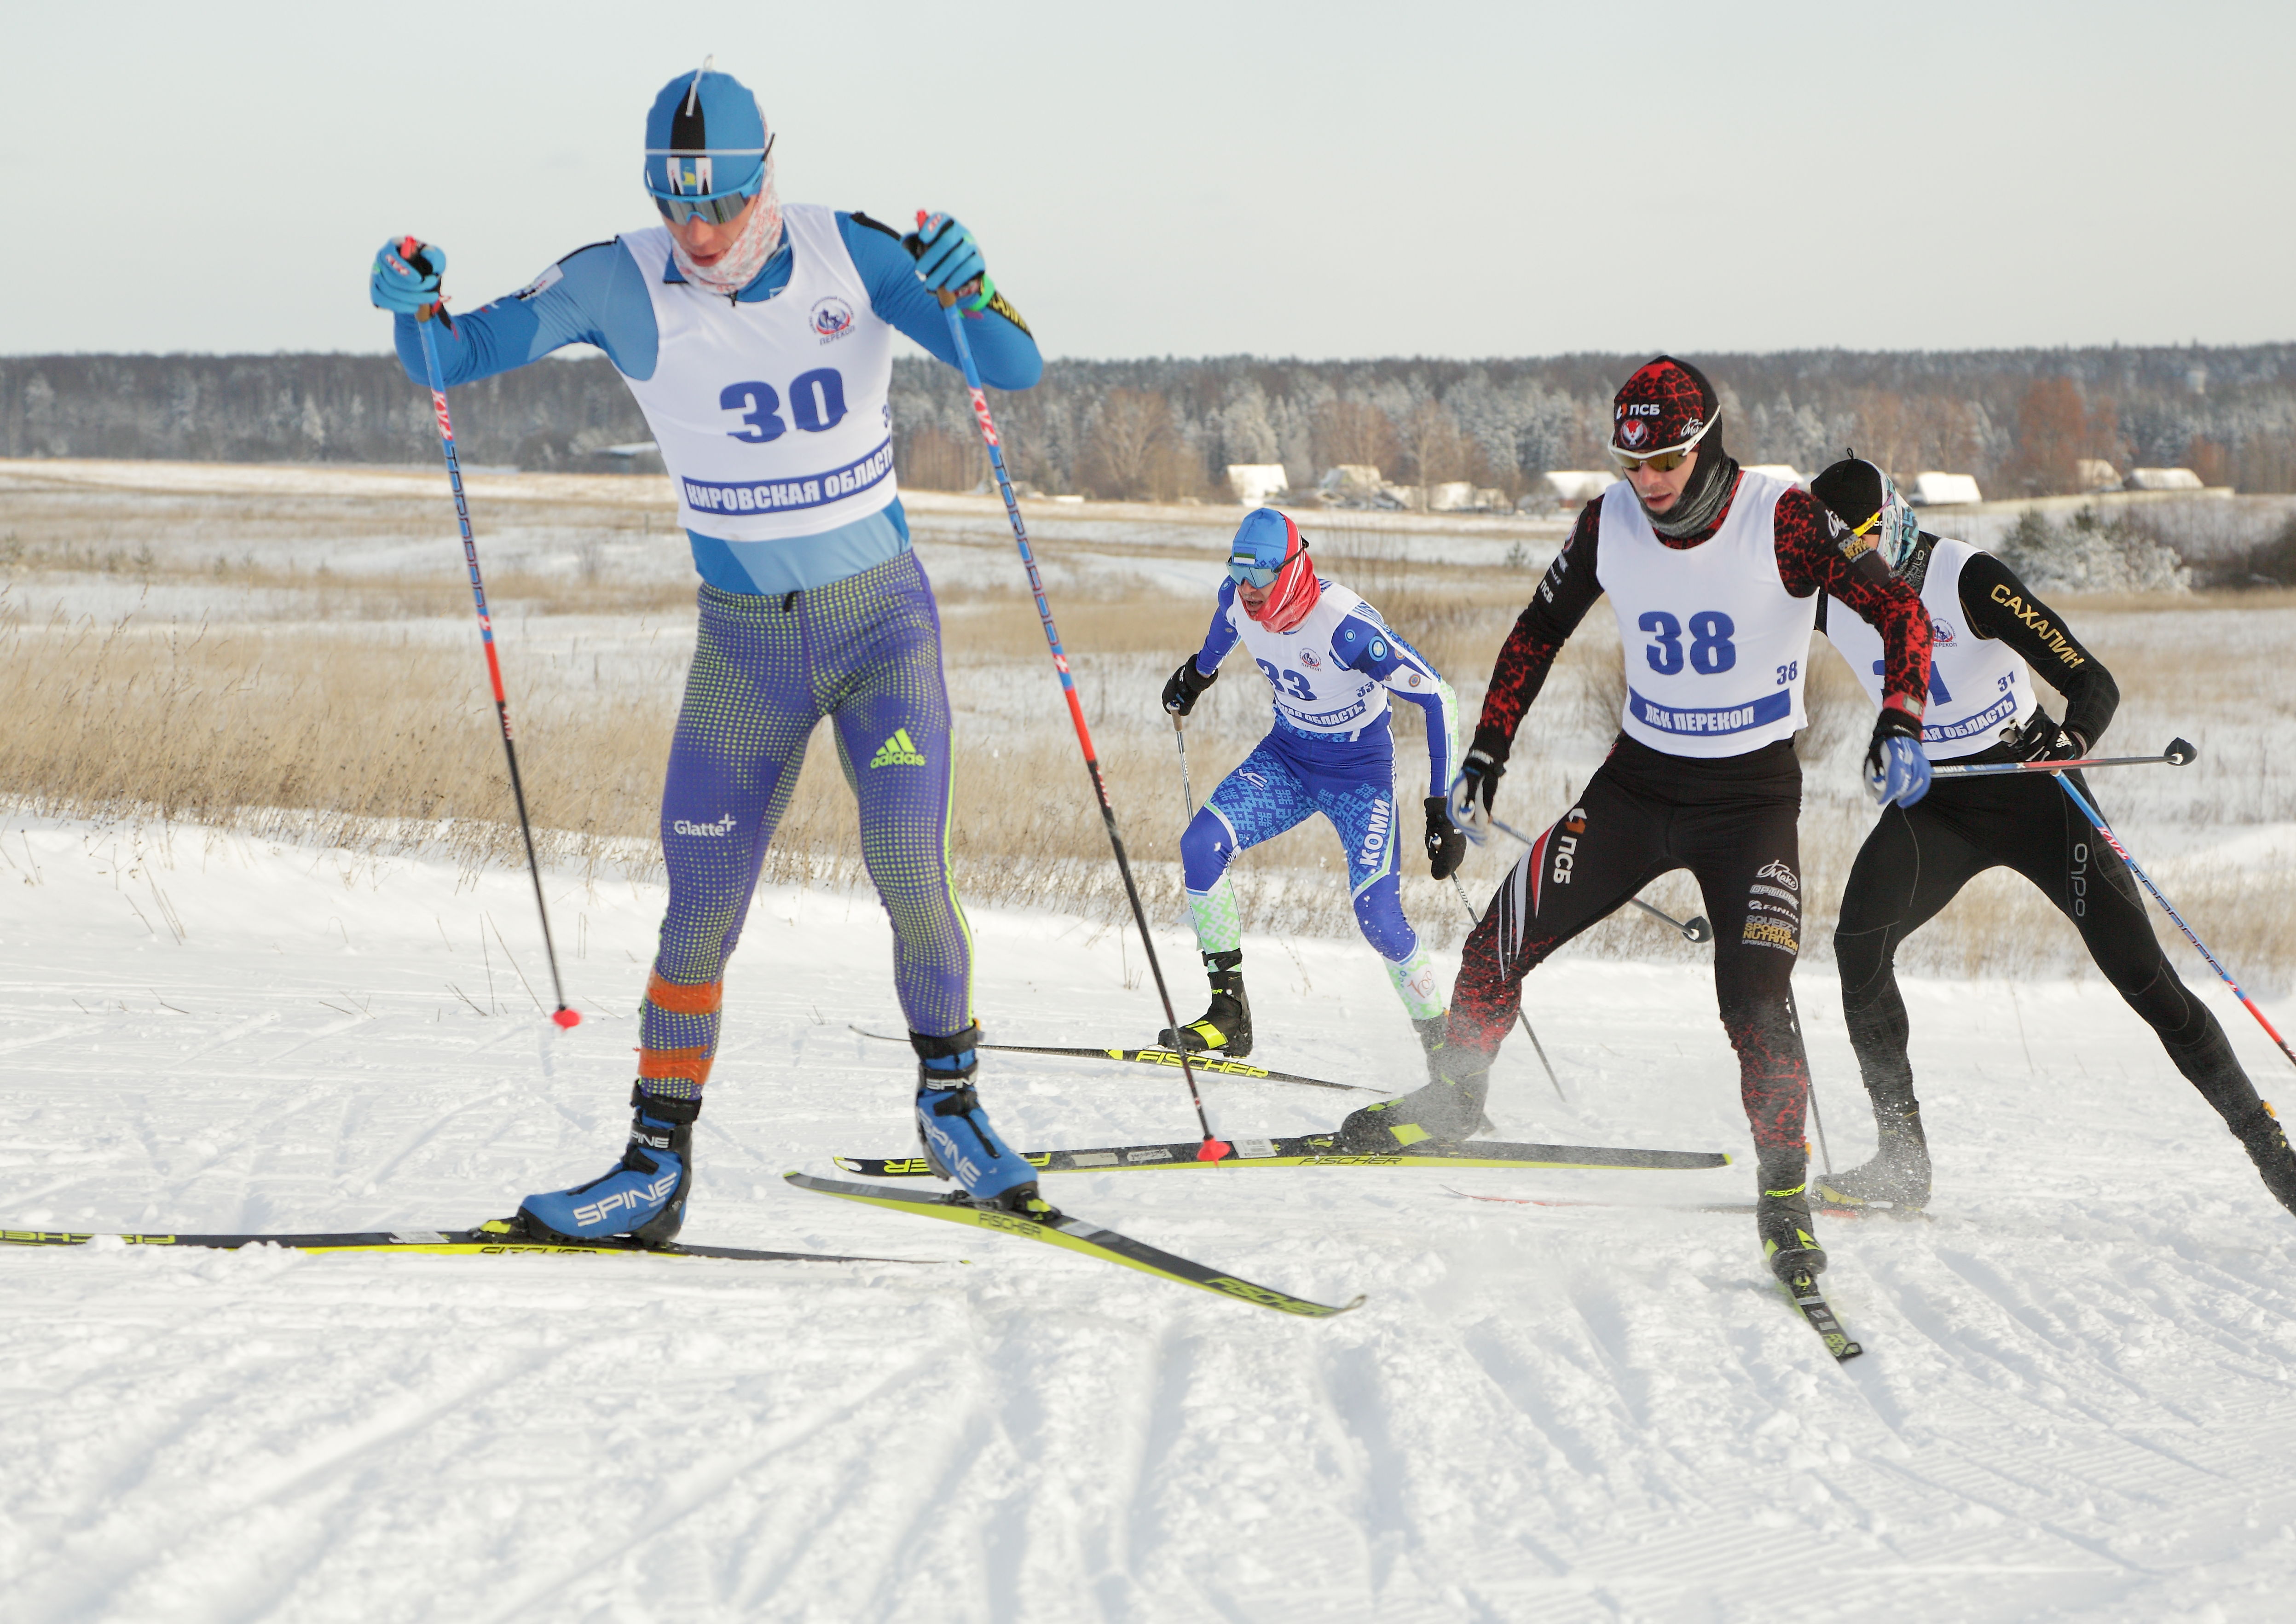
point(1713, 572)
point(1331, 662)
point(758, 342)
point(1989, 633)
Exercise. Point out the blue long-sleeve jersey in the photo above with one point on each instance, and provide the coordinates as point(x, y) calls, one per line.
point(597, 295)
point(1342, 725)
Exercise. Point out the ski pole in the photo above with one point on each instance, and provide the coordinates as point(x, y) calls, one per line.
point(1697, 930)
point(1213, 1148)
point(564, 1016)
point(2114, 841)
point(1535, 1044)
point(1188, 789)
point(2179, 753)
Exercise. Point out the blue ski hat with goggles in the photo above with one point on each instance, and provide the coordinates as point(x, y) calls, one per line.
point(706, 145)
point(1265, 543)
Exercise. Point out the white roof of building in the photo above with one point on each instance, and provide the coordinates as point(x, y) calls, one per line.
point(1933, 490)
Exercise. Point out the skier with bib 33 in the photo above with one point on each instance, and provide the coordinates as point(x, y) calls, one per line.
point(1713, 572)
point(757, 338)
point(1331, 662)
point(1989, 635)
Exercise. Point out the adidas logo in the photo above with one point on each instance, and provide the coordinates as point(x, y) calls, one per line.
point(899, 750)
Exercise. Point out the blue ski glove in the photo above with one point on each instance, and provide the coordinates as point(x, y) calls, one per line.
point(1896, 770)
point(949, 258)
point(1470, 800)
point(406, 276)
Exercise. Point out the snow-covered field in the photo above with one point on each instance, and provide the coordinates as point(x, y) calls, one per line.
point(2078, 1397)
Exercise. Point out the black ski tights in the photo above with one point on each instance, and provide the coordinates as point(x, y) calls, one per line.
point(1916, 860)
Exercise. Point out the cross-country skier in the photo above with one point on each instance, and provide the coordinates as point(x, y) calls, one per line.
point(1714, 573)
point(1989, 633)
point(757, 338)
point(1330, 663)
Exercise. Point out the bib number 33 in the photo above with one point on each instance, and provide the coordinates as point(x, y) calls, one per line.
point(1711, 652)
point(816, 404)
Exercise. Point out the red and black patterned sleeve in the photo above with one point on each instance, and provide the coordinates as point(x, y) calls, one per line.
point(1817, 553)
point(1565, 593)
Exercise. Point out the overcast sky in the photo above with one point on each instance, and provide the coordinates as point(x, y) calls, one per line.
point(1175, 177)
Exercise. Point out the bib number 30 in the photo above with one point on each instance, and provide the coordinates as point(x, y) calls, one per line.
point(1711, 652)
point(816, 402)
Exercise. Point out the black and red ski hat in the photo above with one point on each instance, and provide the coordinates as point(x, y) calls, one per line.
point(1667, 405)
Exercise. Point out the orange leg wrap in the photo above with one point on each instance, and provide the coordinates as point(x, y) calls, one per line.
point(690, 1065)
point(705, 999)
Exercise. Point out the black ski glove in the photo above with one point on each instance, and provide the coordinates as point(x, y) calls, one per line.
point(1186, 683)
point(1477, 782)
point(2047, 741)
point(1446, 847)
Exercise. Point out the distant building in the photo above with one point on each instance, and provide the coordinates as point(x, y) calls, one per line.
point(1576, 486)
point(1350, 484)
point(2164, 479)
point(1257, 484)
point(1944, 490)
point(2095, 473)
point(1451, 497)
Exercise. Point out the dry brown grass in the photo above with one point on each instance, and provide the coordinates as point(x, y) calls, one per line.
point(280, 668)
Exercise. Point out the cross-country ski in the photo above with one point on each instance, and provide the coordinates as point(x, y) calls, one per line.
point(1317, 1150)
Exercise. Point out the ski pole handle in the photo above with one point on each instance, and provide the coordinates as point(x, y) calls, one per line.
point(2180, 753)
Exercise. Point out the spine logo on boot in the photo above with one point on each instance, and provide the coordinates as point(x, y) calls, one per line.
point(899, 750)
point(644, 1196)
point(953, 1155)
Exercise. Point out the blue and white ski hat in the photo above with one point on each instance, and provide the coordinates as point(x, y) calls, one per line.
point(1265, 539)
point(705, 137)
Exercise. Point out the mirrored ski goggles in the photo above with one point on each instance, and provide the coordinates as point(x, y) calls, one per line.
point(1666, 461)
point(718, 208)
point(1241, 569)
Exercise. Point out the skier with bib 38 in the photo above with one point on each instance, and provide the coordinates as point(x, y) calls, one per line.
point(1714, 573)
point(1989, 633)
point(759, 339)
point(1331, 662)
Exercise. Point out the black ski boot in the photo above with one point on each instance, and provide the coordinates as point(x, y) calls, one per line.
point(1781, 1217)
point(2267, 1142)
point(1447, 1111)
point(1899, 1176)
point(1432, 1032)
point(1226, 1027)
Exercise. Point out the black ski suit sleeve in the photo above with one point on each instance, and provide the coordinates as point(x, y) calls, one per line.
point(1998, 604)
point(1565, 593)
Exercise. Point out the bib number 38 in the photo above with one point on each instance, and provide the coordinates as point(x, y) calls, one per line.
point(1710, 650)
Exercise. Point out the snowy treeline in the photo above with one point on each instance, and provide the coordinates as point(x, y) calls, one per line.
point(2018, 420)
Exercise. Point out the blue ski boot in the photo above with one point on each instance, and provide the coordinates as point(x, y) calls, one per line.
point(644, 1198)
point(959, 1143)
